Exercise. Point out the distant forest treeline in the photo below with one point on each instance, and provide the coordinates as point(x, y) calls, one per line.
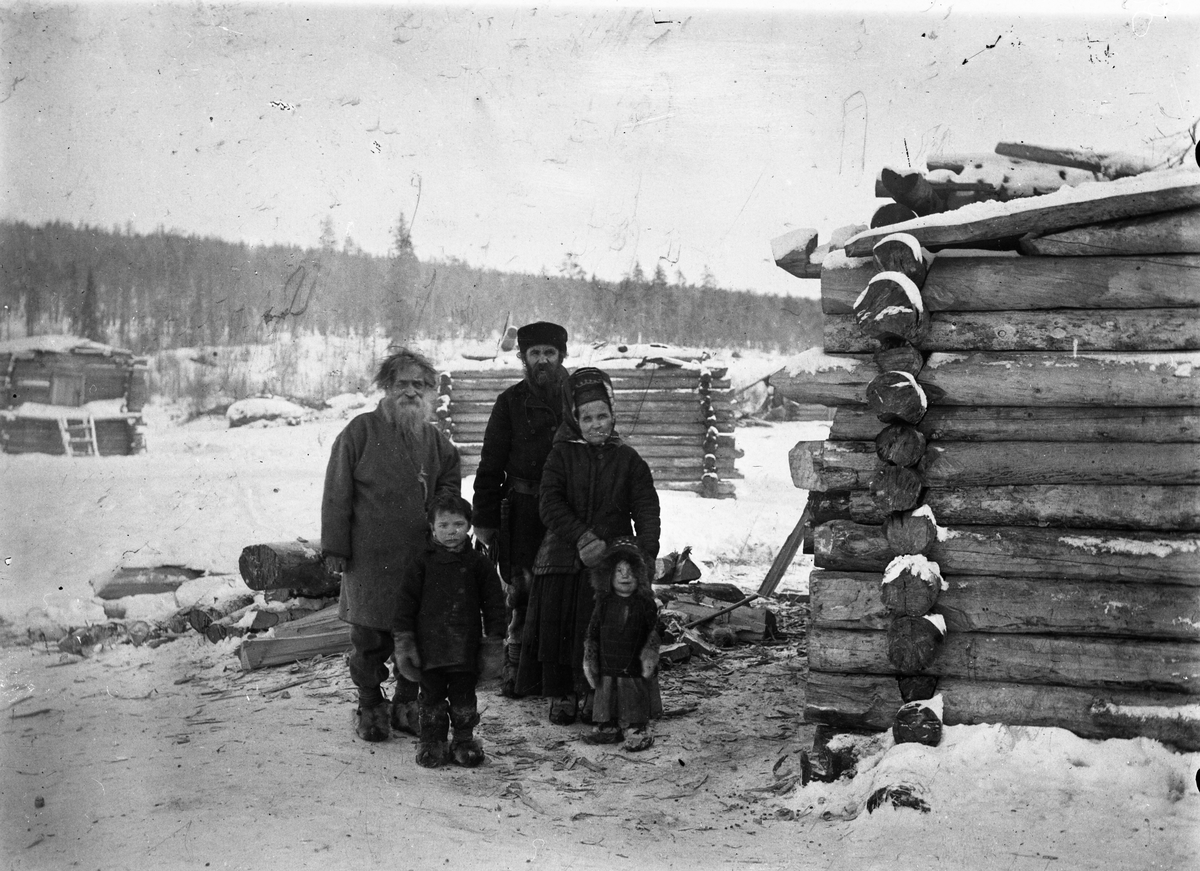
point(164, 290)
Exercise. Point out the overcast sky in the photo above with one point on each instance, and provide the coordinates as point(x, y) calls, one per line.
point(514, 136)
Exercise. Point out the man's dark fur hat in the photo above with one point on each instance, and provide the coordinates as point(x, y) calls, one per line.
point(621, 549)
point(542, 333)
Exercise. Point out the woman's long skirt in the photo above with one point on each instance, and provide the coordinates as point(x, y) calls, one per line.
point(556, 621)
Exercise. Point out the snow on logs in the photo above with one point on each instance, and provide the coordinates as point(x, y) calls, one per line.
point(1052, 478)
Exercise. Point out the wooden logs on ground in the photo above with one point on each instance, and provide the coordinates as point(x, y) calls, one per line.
point(900, 444)
point(896, 488)
point(897, 397)
point(291, 565)
point(891, 307)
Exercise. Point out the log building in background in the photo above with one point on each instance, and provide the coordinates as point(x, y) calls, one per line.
point(67, 395)
point(680, 418)
point(1027, 423)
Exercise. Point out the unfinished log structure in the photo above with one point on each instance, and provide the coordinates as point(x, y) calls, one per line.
point(67, 395)
point(679, 418)
point(1007, 507)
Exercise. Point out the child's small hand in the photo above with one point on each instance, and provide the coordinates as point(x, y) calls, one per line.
point(649, 663)
point(490, 661)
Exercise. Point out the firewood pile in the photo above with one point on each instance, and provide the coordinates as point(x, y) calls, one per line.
point(1007, 508)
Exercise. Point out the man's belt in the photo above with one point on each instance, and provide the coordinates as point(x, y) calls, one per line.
point(522, 485)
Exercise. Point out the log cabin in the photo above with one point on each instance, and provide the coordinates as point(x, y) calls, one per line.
point(71, 396)
point(1051, 481)
point(679, 416)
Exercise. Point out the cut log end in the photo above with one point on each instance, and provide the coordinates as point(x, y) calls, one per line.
point(912, 644)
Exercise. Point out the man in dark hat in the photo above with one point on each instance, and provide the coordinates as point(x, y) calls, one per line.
point(518, 437)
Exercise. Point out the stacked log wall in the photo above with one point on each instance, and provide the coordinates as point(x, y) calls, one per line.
point(681, 421)
point(1063, 470)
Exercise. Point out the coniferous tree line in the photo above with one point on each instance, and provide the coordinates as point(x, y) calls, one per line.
point(165, 290)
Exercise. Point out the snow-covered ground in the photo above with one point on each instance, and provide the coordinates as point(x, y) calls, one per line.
point(204, 490)
point(1026, 798)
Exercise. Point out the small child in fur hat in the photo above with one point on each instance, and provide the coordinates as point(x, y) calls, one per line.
point(620, 650)
point(449, 598)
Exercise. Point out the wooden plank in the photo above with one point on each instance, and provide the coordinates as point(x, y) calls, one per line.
point(994, 283)
point(1111, 166)
point(143, 581)
point(263, 652)
point(1168, 666)
point(1059, 330)
point(1167, 233)
point(863, 701)
point(1085, 506)
point(1016, 551)
point(1100, 201)
point(1020, 606)
point(1007, 423)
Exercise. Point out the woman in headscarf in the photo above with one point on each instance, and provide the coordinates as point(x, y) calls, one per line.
point(594, 489)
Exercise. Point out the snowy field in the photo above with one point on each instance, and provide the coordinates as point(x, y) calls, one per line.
point(1002, 798)
point(203, 491)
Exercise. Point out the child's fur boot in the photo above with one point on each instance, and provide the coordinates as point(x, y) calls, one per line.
point(406, 716)
point(371, 723)
point(435, 725)
point(465, 749)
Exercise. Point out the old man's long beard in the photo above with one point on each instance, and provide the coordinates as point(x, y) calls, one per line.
point(547, 379)
point(411, 415)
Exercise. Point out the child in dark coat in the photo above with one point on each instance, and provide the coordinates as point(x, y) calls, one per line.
point(449, 598)
point(620, 650)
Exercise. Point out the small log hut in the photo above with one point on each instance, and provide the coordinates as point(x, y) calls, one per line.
point(1007, 507)
point(68, 395)
point(680, 418)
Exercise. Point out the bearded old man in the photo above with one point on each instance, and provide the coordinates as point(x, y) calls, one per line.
point(384, 470)
point(516, 443)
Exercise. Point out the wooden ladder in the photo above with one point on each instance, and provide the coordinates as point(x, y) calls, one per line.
point(79, 436)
